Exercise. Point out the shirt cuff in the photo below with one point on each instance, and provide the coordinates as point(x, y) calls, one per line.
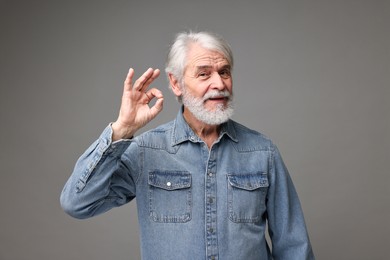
point(113, 148)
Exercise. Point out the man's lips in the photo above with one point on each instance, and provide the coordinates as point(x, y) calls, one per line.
point(217, 99)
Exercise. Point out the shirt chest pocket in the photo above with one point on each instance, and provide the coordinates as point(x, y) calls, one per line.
point(170, 198)
point(247, 197)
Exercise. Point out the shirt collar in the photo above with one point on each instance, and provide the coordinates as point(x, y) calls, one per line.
point(182, 131)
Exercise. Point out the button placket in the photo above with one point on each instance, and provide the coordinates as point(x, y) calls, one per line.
point(211, 207)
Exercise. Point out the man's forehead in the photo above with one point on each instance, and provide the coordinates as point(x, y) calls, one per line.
point(200, 57)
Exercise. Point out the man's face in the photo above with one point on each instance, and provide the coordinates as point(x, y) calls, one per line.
point(207, 90)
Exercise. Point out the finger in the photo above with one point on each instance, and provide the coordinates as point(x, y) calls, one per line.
point(140, 82)
point(158, 106)
point(149, 76)
point(128, 80)
point(154, 75)
point(154, 93)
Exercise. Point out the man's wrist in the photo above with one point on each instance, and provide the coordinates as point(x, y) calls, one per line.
point(121, 132)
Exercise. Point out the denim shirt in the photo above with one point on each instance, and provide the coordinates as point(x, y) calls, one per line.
point(194, 202)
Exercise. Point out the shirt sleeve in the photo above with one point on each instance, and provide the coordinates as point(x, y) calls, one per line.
point(99, 180)
point(286, 222)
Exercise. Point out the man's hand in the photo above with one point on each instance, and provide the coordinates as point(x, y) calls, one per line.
point(135, 111)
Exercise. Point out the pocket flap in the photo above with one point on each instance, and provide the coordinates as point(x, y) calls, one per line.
point(170, 180)
point(248, 181)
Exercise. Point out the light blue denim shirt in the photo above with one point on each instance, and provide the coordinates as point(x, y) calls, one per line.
point(194, 202)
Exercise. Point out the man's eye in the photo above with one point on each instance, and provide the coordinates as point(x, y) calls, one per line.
point(203, 75)
point(225, 73)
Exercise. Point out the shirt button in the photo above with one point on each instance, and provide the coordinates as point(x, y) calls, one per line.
point(211, 200)
point(210, 174)
point(169, 184)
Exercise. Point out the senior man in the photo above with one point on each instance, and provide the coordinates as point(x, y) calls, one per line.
point(206, 186)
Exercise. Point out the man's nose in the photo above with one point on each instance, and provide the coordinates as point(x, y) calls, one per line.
point(216, 81)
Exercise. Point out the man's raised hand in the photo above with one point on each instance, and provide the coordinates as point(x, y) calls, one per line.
point(135, 111)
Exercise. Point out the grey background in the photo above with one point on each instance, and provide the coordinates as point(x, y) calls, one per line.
point(312, 75)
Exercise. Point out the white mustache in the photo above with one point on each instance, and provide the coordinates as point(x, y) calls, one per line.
point(216, 93)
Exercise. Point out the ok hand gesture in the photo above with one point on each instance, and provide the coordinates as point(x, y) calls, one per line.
point(135, 111)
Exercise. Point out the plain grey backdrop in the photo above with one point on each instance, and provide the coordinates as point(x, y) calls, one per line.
point(312, 75)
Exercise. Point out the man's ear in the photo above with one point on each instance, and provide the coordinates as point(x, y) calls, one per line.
point(174, 85)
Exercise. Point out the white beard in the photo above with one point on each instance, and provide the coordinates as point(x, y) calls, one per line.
point(196, 106)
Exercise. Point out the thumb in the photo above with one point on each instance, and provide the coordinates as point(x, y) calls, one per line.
point(158, 106)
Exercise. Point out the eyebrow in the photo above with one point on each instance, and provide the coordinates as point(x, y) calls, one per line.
point(198, 68)
point(202, 67)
